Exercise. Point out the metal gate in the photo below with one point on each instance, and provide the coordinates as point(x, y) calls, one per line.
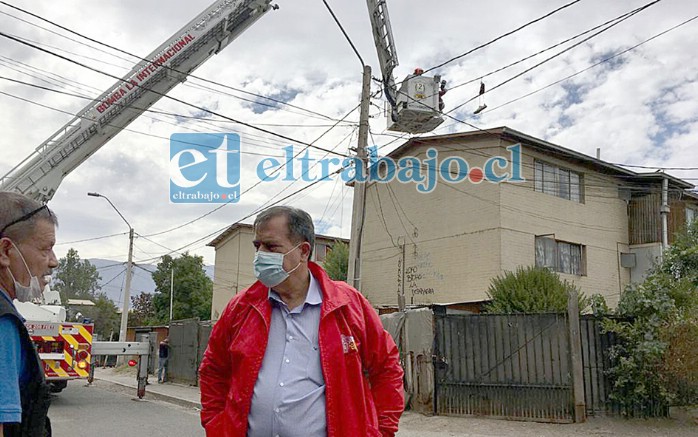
point(504, 366)
point(184, 353)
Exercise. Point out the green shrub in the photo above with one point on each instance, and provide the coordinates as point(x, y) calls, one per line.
point(656, 362)
point(531, 290)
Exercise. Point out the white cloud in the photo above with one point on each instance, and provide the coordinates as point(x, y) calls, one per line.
point(640, 109)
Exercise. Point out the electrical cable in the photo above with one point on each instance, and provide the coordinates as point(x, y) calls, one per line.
point(351, 43)
point(148, 60)
point(609, 58)
point(247, 190)
point(501, 36)
point(175, 99)
point(550, 58)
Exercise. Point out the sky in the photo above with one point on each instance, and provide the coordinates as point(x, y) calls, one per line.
point(640, 108)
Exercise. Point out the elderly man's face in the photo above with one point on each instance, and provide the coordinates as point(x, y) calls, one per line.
point(38, 254)
point(272, 236)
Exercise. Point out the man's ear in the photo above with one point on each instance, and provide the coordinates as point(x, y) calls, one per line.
point(305, 251)
point(5, 247)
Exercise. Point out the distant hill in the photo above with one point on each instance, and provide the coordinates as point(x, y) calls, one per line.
point(113, 274)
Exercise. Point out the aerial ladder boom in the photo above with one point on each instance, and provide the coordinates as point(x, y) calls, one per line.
point(39, 175)
point(415, 107)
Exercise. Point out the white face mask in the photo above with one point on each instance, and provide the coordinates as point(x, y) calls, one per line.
point(26, 293)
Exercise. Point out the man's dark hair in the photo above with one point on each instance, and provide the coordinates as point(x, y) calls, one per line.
point(19, 215)
point(300, 224)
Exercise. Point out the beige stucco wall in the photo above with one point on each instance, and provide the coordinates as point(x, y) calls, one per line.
point(233, 268)
point(451, 238)
point(456, 241)
point(600, 223)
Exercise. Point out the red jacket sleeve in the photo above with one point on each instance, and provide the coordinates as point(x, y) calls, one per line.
point(214, 371)
point(384, 372)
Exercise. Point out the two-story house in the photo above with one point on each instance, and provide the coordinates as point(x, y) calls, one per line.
point(595, 223)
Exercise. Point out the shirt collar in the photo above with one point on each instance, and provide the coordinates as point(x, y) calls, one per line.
point(312, 297)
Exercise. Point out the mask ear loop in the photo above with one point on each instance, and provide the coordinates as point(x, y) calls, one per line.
point(299, 262)
point(26, 266)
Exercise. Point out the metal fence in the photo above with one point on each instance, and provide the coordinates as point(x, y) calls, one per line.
point(595, 360)
point(505, 366)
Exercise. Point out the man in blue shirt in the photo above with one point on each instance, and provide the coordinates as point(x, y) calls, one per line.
point(27, 236)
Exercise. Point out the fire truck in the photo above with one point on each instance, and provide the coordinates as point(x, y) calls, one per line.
point(66, 348)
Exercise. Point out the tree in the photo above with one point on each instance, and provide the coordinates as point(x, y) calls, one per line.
point(656, 361)
point(193, 289)
point(336, 262)
point(105, 316)
point(76, 279)
point(531, 290)
point(142, 310)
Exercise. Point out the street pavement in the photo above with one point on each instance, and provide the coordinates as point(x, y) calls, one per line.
point(106, 410)
point(416, 425)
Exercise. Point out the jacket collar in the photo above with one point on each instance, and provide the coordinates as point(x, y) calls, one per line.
point(333, 297)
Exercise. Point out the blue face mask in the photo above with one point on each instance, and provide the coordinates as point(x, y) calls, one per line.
point(269, 267)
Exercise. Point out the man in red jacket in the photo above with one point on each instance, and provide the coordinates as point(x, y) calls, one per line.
point(298, 354)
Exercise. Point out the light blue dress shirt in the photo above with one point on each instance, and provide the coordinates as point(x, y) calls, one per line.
point(289, 395)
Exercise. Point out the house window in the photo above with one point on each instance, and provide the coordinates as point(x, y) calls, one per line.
point(560, 256)
point(691, 215)
point(560, 182)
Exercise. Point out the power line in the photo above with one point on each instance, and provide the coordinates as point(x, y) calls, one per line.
point(252, 187)
point(175, 99)
point(533, 55)
point(593, 66)
point(503, 36)
point(351, 43)
point(91, 239)
point(147, 60)
point(174, 115)
point(218, 231)
point(550, 58)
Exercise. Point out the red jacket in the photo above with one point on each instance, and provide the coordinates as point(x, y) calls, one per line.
point(363, 386)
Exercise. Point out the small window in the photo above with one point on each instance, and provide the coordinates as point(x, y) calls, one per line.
point(691, 215)
point(560, 256)
point(559, 182)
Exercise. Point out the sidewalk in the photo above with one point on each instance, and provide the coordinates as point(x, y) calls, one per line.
point(417, 425)
point(180, 394)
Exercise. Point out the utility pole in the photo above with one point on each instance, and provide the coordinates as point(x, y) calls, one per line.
point(127, 288)
point(358, 211)
point(129, 272)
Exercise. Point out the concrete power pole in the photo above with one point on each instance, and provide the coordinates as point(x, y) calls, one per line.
point(127, 288)
point(358, 211)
